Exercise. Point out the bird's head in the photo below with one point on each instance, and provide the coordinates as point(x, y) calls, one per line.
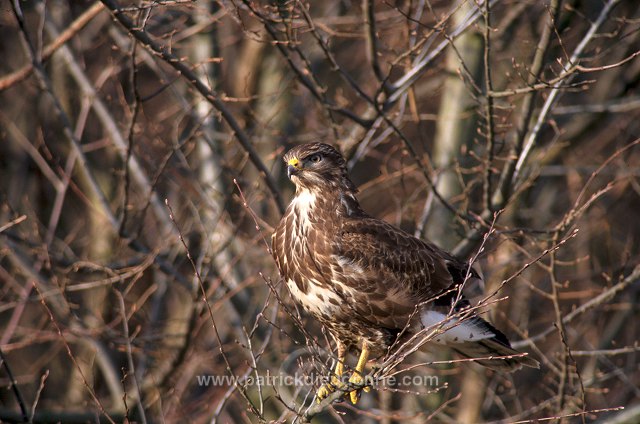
point(316, 166)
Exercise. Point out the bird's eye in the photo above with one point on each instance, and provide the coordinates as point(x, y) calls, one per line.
point(315, 158)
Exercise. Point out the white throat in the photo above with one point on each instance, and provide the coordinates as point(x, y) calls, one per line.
point(304, 203)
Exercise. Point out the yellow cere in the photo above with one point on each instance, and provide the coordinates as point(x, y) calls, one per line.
point(294, 162)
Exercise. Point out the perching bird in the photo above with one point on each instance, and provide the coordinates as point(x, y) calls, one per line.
point(371, 284)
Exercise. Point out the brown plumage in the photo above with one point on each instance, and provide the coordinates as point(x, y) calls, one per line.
point(367, 281)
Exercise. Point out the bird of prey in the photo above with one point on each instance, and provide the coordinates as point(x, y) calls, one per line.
point(372, 285)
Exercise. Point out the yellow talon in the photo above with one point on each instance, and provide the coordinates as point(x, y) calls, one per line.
point(356, 377)
point(335, 382)
point(327, 389)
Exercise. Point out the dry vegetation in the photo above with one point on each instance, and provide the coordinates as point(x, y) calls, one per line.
point(141, 177)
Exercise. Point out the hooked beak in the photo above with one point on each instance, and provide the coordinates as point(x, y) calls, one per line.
point(293, 166)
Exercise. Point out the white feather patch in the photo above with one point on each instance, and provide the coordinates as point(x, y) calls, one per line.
point(456, 331)
point(304, 202)
point(348, 265)
point(317, 298)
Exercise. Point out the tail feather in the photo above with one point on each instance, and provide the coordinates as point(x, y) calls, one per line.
point(495, 355)
point(475, 338)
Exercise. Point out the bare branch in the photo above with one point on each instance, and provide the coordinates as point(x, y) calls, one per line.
point(186, 72)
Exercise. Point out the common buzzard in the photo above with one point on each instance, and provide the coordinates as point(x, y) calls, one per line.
point(372, 285)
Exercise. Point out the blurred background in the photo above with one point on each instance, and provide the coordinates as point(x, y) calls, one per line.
point(141, 178)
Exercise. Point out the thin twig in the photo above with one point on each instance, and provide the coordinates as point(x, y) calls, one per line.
point(505, 187)
point(212, 97)
point(490, 132)
point(214, 326)
point(71, 355)
point(14, 387)
point(603, 297)
point(368, 10)
point(424, 59)
point(13, 222)
point(43, 379)
point(553, 94)
point(131, 370)
point(576, 414)
point(607, 352)
point(72, 30)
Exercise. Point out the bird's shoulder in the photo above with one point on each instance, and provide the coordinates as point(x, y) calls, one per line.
point(421, 266)
point(367, 232)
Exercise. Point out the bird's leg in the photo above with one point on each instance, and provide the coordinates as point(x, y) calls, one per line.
point(336, 378)
point(356, 377)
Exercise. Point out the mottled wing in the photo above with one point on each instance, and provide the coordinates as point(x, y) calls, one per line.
point(393, 271)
